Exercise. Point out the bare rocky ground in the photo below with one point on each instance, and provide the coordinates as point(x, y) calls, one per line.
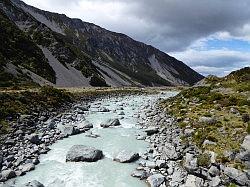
point(169, 161)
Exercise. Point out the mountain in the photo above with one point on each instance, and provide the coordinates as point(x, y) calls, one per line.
point(54, 49)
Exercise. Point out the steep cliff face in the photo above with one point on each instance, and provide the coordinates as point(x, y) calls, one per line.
point(95, 56)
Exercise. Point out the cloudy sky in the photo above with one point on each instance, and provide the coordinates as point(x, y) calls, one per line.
point(211, 36)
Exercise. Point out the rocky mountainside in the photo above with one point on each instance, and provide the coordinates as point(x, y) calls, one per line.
point(69, 52)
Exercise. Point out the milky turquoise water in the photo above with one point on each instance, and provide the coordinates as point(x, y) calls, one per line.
point(53, 171)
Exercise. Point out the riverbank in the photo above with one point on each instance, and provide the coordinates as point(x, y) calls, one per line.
point(199, 137)
point(109, 140)
point(33, 130)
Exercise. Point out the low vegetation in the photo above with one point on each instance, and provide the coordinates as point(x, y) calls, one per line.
point(14, 104)
point(225, 102)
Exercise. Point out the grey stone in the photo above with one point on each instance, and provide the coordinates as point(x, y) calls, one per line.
point(34, 138)
point(7, 174)
point(33, 183)
point(237, 175)
point(215, 181)
point(78, 153)
point(103, 109)
point(208, 142)
point(207, 120)
point(156, 180)
point(246, 143)
point(190, 162)
point(10, 142)
point(19, 132)
point(121, 113)
point(161, 163)
point(170, 153)
point(110, 123)
point(85, 125)
point(68, 130)
point(150, 164)
point(188, 132)
point(27, 167)
point(213, 171)
point(151, 130)
point(177, 177)
point(193, 181)
point(126, 156)
point(139, 174)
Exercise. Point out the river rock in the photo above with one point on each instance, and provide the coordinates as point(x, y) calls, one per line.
point(156, 180)
point(68, 130)
point(33, 183)
point(126, 156)
point(7, 174)
point(110, 123)
point(34, 138)
point(85, 125)
point(103, 109)
point(141, 174)
point(78, 153)
point(27, 167)
point(237, 175)
point(10, 142)
point(151, 130)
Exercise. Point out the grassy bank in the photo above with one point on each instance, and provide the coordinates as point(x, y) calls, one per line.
point(225, 102)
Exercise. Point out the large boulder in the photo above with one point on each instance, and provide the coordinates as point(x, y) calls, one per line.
point(156, 180)
point(82, 153)
point(27, 167)
point(126, 156)
point(33, 183)
point(238, 176)
point(68, 130)
point(85, 125)
point(7, 174)
point(110, 123)
point(151, 130)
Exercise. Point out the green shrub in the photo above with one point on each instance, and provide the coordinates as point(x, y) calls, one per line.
point(248, 128)
point(97, 81)
point(203, 160)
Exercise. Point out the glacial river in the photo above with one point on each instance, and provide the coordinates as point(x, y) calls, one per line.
point(54, 171)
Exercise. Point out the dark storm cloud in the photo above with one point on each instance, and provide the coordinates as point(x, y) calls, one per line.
point(175, 24)
point(171, 25)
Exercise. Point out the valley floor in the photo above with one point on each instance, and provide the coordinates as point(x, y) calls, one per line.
point(197, 138)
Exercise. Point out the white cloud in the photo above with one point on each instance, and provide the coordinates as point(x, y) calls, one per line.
point(217, 62)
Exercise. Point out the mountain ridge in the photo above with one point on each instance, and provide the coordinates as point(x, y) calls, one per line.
point(105, 58)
